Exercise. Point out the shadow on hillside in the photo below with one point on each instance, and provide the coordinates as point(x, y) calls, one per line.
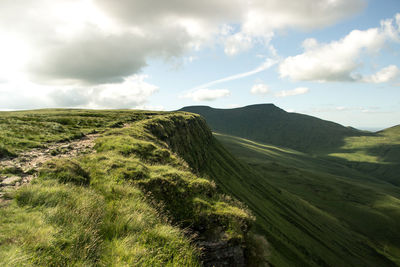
point(386, 153)
point(386, 167)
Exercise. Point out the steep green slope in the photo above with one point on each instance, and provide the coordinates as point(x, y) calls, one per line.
point(269, 124)
point(300, 233)
point(344, 177)
point(364, 206)
point(131, 202)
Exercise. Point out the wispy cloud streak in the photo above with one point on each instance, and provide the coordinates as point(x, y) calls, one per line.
point(266, 65)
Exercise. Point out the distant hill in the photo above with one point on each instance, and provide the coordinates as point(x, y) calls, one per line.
point(269, 124)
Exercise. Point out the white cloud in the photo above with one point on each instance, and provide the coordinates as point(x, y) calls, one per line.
point(94, 46)
point(150, 107)
point(268, 63)
point(102, 41)
point(338, 60)
point(207, 94)
point(132, 93)
point(306, 14)
point(237, 43)
point(296, 91)
point(260, 89)
point(387, 74)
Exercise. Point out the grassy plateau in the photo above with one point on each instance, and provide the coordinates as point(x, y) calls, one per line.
point(132, 201)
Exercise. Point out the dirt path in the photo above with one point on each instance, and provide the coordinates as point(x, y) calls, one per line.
point(31, 160)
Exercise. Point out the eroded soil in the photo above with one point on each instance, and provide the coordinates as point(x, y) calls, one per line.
point(23, 167)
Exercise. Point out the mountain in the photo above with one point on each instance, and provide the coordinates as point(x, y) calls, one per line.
point(349, 189)
point(269, 124)
point(376, 154)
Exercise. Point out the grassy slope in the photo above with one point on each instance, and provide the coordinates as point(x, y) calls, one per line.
point(126, 204)
point(300, 233)
point(359, 206)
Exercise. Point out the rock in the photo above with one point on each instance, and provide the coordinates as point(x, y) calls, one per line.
point(221, 254)
point(10, 181)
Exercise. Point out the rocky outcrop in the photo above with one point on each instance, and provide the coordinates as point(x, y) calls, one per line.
point(221, 254)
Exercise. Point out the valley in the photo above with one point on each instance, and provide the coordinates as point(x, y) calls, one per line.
point(347, 188)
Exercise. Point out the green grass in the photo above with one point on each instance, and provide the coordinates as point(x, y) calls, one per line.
point(57, 224)
point(24, 130)
point(347, 207)
point(377, 155)
point(149, 190)
point(133, 202)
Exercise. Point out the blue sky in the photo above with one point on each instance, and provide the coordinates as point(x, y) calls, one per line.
point(335, 59)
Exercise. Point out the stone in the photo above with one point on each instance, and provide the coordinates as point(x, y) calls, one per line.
point(10, 180)
point(221, 254)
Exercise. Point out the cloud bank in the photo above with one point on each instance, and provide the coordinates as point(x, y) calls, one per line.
point(103, 41)
point(340, 60)
point(99, 44)
point(133, 92)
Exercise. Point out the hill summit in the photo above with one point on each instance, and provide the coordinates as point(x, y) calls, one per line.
point(268, 123)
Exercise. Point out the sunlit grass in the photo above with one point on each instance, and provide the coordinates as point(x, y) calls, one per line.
point(133, 202)
point(360, 156)
point(381, 148)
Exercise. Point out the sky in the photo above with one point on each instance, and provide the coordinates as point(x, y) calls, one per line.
point(338, 60)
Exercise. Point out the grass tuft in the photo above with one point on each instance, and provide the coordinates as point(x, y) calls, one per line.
point(65, 171)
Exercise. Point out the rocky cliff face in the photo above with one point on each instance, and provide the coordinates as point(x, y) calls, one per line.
point(222, 254)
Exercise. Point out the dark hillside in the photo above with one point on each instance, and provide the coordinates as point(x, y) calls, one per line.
point(269, 124)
